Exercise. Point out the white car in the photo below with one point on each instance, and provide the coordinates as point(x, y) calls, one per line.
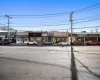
point(64, 43)
point(32, 43)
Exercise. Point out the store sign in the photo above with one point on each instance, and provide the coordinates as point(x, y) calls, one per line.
point(34, 34)
point(74, 34)
point(92, 35)
point(82, 35)
point(2, 35)
point(11, 36)
point(98, 35)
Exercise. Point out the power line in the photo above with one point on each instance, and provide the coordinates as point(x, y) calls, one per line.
point(40, 25)
point(87, 21)
point(33, 16)
point(88, 8)
point(78, 28)
point(58, 14)
point(42, 15)
point(88, 17)
point(87, 27)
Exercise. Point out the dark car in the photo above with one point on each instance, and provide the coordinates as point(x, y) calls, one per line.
point(47, 43)
point(98, 43)
point(78, 43)
point(6, 42)
point(1, 42)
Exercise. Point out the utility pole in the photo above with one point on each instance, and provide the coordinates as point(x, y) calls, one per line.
point(8, 17)
point(41, 36)
point(73, 64)
point(71, 20)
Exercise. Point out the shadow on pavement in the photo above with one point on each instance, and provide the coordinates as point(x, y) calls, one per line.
point(73, 66)
point(88, 69)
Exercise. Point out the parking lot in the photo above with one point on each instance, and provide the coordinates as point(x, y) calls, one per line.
point(48, 62)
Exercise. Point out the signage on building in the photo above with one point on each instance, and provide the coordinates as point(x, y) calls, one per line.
point(34, 34)
point(2, 35)
point(82, 35)
point(11, 36)
point(87, 35)
point(98, 35)
point(73, 35)
point(92, 35)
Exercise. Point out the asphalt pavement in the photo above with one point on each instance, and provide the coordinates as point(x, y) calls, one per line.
point(49, 63)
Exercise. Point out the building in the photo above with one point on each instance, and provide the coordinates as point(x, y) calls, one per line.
point(85, 36)
point(47, 36)
point(21, 37)
point(53, 36)
point(4, 35)
point(60, 37)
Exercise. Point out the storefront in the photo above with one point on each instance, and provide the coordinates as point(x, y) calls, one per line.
point(87, 37)
point(21, 37)
point(47, 36)
point(98, 37)
point(35, 36)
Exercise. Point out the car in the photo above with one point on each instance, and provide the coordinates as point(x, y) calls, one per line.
point(6, 42)
point(64, 43)
point(98, 43)
point(79, 43)
point(47, 43)
point(1, 42)
point(91, 43)
point(32, 43)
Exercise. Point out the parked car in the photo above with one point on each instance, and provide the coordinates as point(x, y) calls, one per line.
point(32, 43)
point(64, 43)
point(1, 42)
point(78, 43)
point(47, 43)
point(91, 43)
point(6, 42)
point(98, 43)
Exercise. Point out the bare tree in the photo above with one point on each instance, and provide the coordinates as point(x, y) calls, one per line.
point(96, 30)
point(91, 31)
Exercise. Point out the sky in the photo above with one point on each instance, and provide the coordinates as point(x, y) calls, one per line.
point(39, 7)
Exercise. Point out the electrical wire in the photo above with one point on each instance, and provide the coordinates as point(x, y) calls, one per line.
point(86, 21)
point(42, 15)
point(87, 8)
point(87, 17)
point(87, 27)
point(40, 25)
point(59, 14)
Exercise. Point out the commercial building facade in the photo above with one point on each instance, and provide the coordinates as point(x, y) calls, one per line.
point(86, 37)
point(55, 37)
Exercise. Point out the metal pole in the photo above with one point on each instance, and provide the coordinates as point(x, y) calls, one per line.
point(8, 30)
point(71, 25)
point(8, 26)
point(41, 36)
point(73, 64)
